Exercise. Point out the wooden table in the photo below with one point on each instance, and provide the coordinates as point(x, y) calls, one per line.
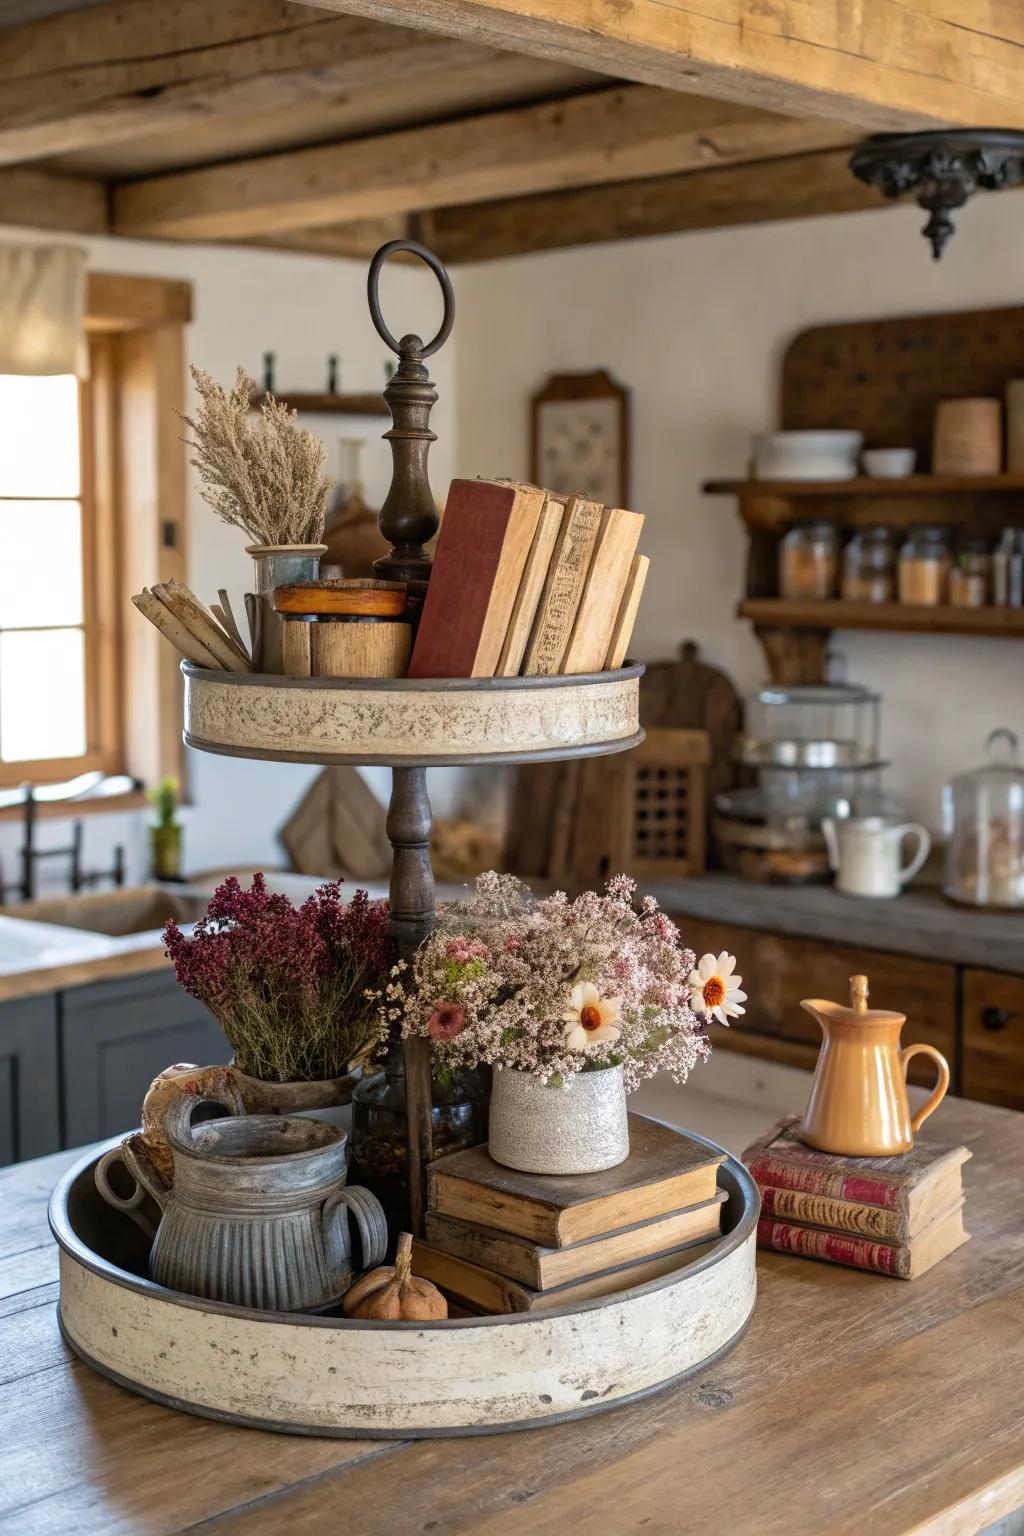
point(853, 1405)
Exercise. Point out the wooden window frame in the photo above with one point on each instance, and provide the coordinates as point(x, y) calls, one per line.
point(133, 499)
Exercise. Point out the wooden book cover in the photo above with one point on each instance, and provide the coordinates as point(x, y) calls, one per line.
point(901, 1261)
point(664, 1172)
point(563, 588)
point(610, 569)
point(541, 1268)
point(485, 540)
point(531, 587)
point(913, 1186)
point(485, 1291)
point(625, 619)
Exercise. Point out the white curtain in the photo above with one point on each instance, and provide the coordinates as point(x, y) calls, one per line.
point(42, 304)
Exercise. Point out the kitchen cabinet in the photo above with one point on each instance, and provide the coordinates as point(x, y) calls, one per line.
point(115, 1037)
point(993, 1060)
point(29, 1095)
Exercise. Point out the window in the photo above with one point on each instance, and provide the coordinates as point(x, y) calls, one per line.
point(51, 710)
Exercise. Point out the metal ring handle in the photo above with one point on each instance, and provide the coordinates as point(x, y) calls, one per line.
point(440, 272)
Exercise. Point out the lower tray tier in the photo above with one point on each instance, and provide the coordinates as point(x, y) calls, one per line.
point(411, 722)
point(329, 1376)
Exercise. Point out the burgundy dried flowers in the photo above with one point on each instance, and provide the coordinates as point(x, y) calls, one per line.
point(288, 985)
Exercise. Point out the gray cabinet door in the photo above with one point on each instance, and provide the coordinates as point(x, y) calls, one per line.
point(116, 1036)
point(29, 1093)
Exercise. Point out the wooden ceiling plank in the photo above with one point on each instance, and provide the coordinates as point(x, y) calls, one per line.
point(135, 67)
point(801, 186)
point(880, 63)
point(609, 135)
point(45, 200)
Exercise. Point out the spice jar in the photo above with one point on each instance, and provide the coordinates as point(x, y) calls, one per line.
point(969, 577)
point(1008, 569)
point(809, 561)
point(924, 567)
point(869, 567)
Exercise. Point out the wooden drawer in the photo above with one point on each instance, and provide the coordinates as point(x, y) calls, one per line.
point(993, 1020)
point(778, 970)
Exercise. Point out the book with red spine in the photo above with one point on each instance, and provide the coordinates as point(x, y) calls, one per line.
point(901, 1261)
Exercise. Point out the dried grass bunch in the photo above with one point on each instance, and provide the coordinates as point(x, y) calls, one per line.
point(259, 471)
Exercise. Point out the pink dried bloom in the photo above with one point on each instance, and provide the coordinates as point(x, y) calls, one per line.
point(447, 1021)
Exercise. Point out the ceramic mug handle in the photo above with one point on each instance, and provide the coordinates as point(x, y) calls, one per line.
point(370, 1219)
point(941, 1087)
point(924, 848)
point(130, 1205)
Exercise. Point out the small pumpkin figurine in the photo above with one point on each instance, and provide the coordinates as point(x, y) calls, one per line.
point(394, 1294)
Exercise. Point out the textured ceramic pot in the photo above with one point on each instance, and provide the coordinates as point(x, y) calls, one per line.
point(326, 1099)
point(539, 1129)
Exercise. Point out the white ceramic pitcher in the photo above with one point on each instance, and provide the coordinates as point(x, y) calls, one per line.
point(865, 852)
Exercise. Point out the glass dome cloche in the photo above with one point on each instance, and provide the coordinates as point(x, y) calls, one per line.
point(983, 819)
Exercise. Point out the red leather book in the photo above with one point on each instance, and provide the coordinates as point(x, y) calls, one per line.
point(902, 1261)
point(486, 535)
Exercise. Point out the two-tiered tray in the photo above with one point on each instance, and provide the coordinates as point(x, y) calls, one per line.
point(326, 1375)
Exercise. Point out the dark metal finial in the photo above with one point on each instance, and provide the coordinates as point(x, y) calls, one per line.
point(408, 518)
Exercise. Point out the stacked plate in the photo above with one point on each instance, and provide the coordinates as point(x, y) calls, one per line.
point(807, 455)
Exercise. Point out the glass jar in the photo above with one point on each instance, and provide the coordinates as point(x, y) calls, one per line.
point(983, 819)
point(869, 567)
point(970, 577)
point(809, 561)
point(380, 1158)
point(924, 567)
point(1008, 569)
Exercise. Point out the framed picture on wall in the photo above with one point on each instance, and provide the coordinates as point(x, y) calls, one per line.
point(579, 438)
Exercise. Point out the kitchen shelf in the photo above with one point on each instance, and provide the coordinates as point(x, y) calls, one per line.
point(865, 485)
point(805, 613)
point(325, 404)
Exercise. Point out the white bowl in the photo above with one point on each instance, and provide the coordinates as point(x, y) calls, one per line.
point(807, 455)
point(889, 463)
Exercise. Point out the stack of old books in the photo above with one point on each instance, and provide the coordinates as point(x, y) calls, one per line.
point(527, 582)
point(502, 1241)
point(895, 1215)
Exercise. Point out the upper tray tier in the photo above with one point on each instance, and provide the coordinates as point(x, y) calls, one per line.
point(407, 722)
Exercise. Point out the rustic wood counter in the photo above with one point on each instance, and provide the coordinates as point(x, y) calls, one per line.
point(853, 1404)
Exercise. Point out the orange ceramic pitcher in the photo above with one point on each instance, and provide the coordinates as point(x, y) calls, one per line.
point(858, 1105)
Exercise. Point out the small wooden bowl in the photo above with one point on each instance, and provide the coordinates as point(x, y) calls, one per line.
point(377, 599)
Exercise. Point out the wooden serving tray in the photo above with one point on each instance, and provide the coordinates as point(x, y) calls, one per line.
point(411, 721)
point(303, 1374)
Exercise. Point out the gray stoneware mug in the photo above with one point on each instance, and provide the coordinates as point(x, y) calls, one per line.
point(259, 1213)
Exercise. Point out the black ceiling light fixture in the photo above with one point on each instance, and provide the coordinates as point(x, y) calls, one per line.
point(942, 168)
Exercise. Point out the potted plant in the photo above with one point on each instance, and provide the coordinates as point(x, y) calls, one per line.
point(165, 831)
point(260, 471)
point(573, 1003)
point(288, 986)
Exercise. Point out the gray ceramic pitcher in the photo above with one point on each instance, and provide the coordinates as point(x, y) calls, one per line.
point(259, 1213)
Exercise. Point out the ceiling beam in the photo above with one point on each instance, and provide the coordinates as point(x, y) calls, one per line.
point(879, 63)
point(609, 135)
point(45, 200)
point(135, 67)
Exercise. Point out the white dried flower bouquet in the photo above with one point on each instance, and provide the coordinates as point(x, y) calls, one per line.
point(259, 471)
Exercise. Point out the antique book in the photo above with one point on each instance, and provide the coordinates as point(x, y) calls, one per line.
point(563, 589)
point(901, 1261)
point(625, 619)
point(664, 1172)
point(541, 1267)
point(610, 569)
point(485, 540)
point(880, 1197)
point(486, 1291)
point(531, 587)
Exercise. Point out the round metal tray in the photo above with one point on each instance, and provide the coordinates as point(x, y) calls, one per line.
point(330, 1376)
point(415, 722)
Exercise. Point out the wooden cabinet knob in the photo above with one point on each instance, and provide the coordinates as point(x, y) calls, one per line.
point(995, 1019)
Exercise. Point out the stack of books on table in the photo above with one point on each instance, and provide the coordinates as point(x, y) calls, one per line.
point(894, 1215)
point(528, 583)
point(502, 1241)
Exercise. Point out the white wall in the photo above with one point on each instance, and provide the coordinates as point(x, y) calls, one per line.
point(697, 325)
point(247, 302)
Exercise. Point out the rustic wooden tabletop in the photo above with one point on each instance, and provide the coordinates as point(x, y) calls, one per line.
point(853, 1405)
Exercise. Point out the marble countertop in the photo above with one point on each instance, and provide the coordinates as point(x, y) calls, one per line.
point(918, 922)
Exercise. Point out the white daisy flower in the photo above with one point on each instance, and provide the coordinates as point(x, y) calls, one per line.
point(590, 1019)
point(715, 990)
